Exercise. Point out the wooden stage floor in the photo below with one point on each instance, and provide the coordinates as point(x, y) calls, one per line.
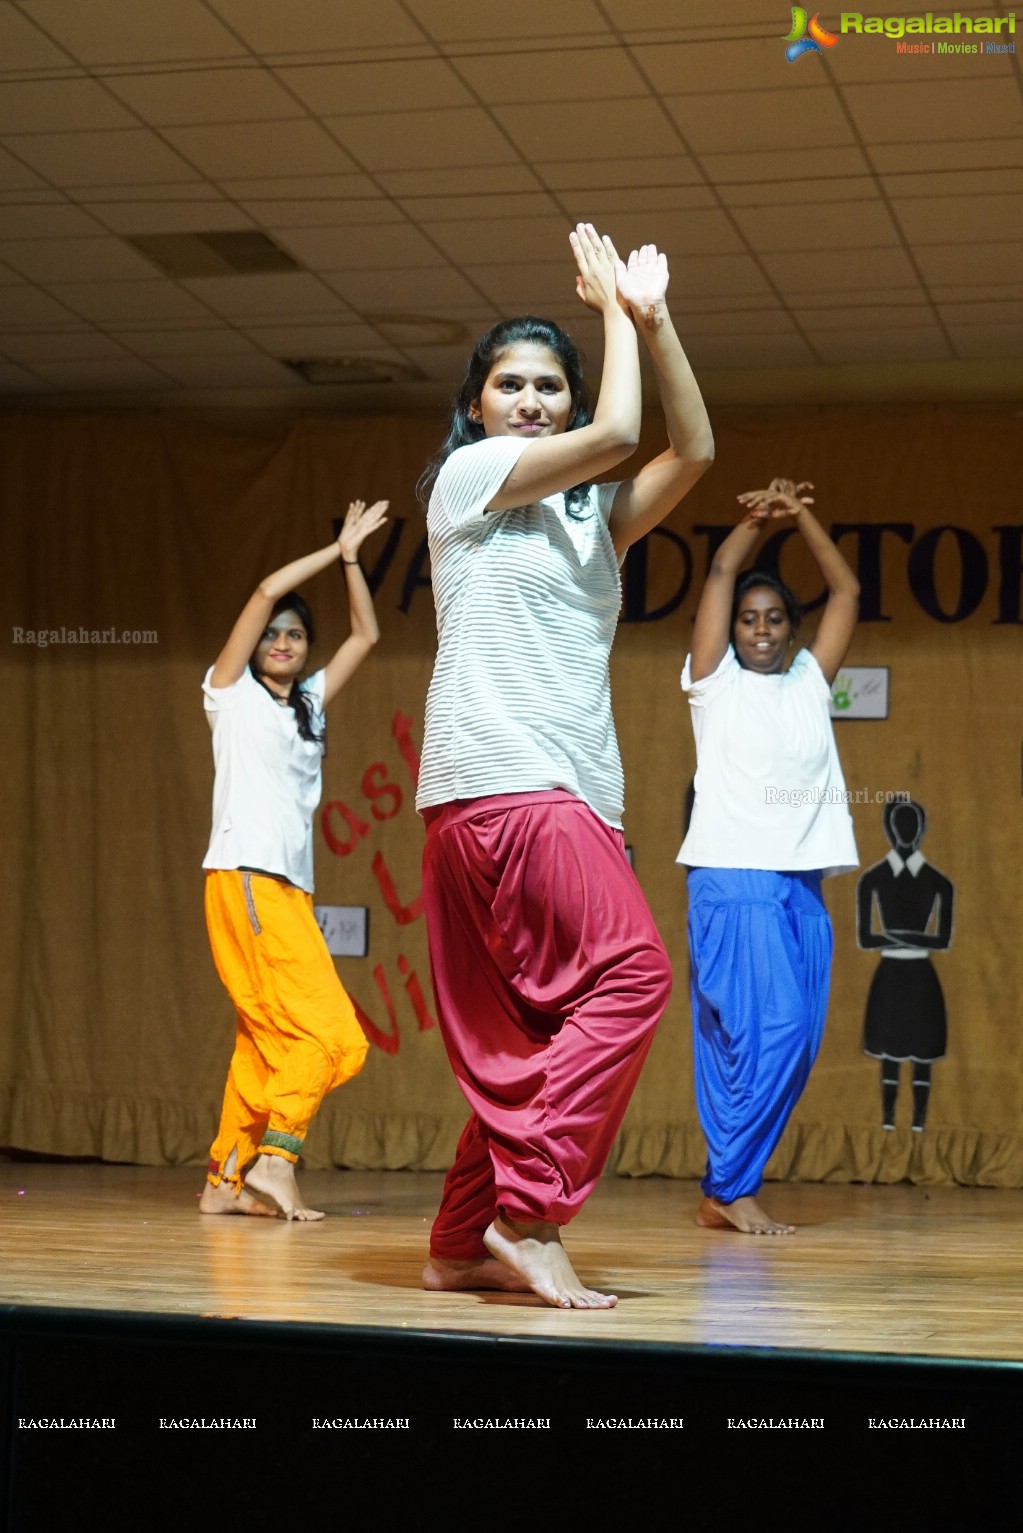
point(875, 1354)
point(897, 1270)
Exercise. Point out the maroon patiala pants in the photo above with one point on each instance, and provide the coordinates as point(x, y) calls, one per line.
point(550, 978)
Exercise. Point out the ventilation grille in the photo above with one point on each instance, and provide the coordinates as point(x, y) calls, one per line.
point(216, 253)
point(330, 372)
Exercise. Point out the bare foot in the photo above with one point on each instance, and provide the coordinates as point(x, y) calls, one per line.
point(441, 1276)
point(222, 1199)
point(745, 1215)
point(272, 1178)
point(534, 1252)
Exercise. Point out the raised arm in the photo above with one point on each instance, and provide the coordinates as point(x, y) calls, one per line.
point(712, 630)
point(254, 616)
point(557, 462)
point(646, 499)
point(785, 498)
point(359, 523)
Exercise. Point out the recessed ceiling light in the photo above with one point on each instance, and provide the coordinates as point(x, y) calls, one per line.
point(215, 253)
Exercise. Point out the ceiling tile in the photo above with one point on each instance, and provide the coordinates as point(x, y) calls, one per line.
point(406, 140)
point(661, 14)
point(762, 120)
point(23, 307)
point(471, 240)
point(877, 316)
point(541, 128)
point(248, 372)
point(542, 283)
point(246, 92)
point(782, 165)
point(309, 26)
point(46, 220)
point(976, 154)
point(315, 340)
point(17, 380)
point(101, 159)
point(738, 64)
point(460, 181)
point(455, 20)
point(836, 271)
point(655, 170)
point(113, 302)
point(506, 205)
point(949, 183)
point(45, 106)
point(181, 217)
point(369, 87)
point(61, 346)
point(1006, 313)
point(358, 246)
point(809, 192)
point(682, 233)
point(955, 220)
point(321, 213)
point(23, 46)
point(890, 344)
point(264, 297)
point(937, 110)
point(749, 351)
point(856, 295)
point(300, 189)
point(190, 341)
point(227, 150)
point(420, 288)
point(970, 263)
point(15, 176)
point(554, 76)
point(979, 341)
point(75, 260)
point(84, 376)
point(774, 321)
point(821, 226)
point(597, 203)
point(144, 32)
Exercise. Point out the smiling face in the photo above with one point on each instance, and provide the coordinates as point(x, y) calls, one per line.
point(526, 394)
point(762, 631)
point(283, 650)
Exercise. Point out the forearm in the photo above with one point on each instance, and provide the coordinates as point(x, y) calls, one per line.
point(838, 576)
point(360, 603)
point(734, 551)
point(685, 414)
point(296, 573)
point(619, 405)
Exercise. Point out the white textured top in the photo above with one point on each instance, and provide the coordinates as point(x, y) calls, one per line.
point(527, 606)
point(268, 780)
point(769, 787)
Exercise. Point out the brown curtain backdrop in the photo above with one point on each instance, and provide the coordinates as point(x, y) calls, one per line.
point(116, 1033)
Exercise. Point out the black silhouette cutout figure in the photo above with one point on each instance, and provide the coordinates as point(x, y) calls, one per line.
point(913, 903)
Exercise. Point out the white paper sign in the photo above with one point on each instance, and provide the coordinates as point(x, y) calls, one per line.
point(860, 692)
point(345, 929)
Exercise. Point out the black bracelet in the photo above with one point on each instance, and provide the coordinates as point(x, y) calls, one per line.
point(348, 561)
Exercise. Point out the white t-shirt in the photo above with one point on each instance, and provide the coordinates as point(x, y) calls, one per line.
point(527, 606)
point(268, 780)
point(769, 787)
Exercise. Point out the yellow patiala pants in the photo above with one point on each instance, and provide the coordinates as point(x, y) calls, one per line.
point(297, 1036)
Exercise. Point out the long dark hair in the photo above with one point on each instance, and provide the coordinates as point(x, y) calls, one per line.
point(486, 354)
point(756, 578)
point(297, 699)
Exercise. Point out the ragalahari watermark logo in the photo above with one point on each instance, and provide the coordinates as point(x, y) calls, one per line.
point(807, 36)
point(945, 32)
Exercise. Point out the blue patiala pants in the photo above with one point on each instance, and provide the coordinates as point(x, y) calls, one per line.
point(760, 945)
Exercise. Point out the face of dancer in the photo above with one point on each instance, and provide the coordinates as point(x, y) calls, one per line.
point(526, 394)
point(282, 651)
point(762, 631)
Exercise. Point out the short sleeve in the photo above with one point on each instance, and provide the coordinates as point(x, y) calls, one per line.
point(217, 698)
point(472, 476)
point(806, 670)
point(604, 495)
point(708, 687)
